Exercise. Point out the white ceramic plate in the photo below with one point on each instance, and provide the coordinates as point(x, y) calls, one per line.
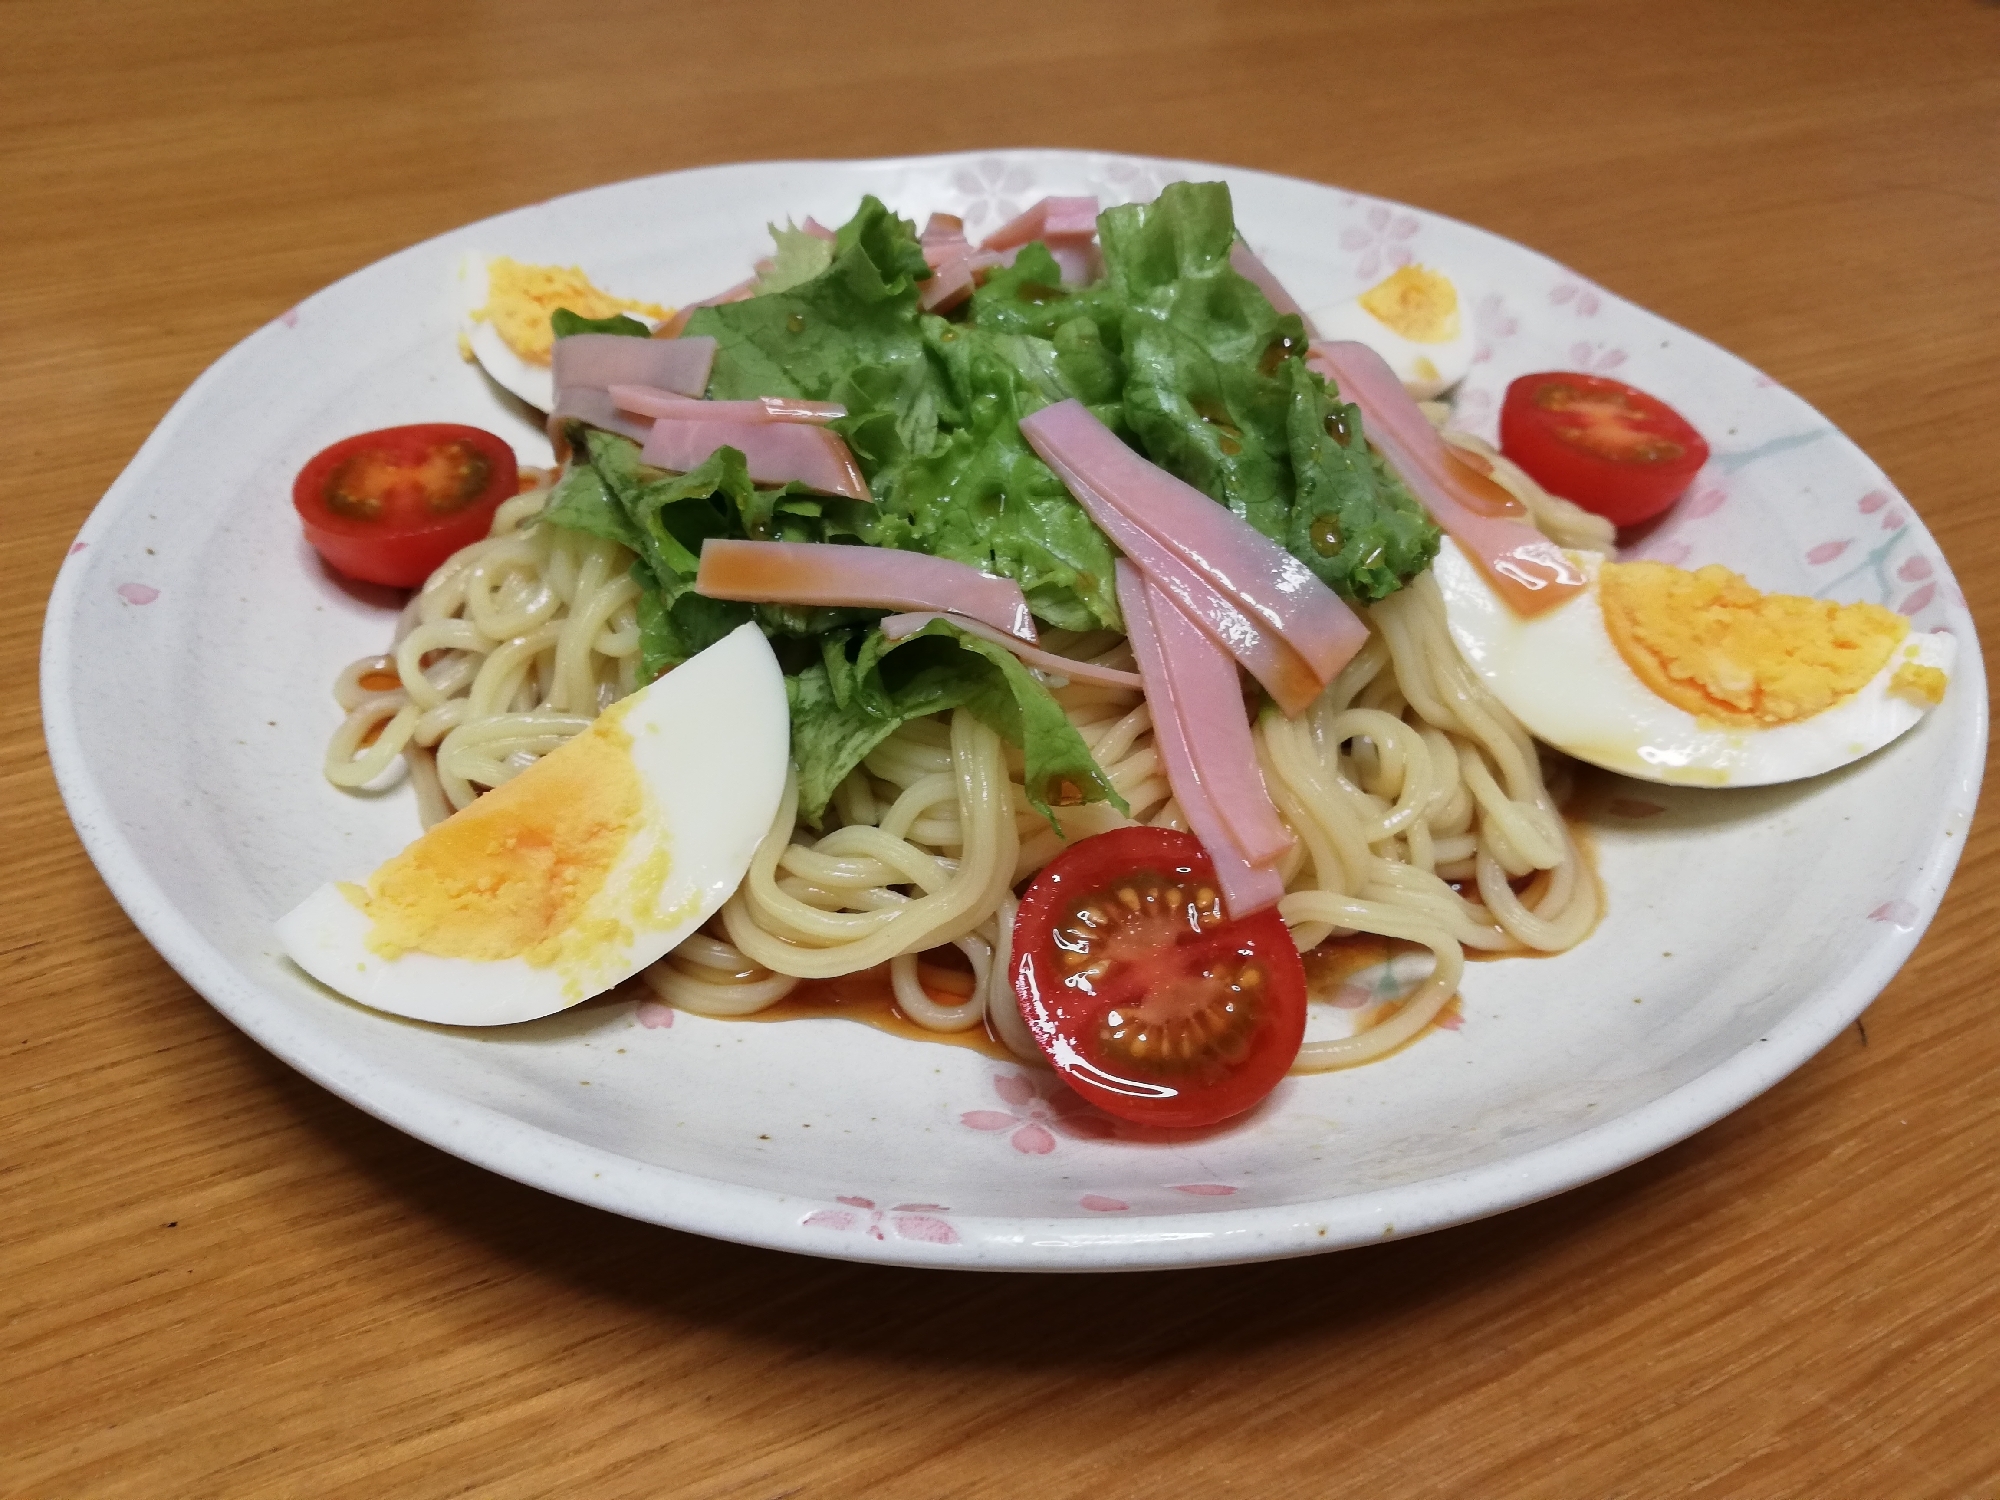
point(191, 640)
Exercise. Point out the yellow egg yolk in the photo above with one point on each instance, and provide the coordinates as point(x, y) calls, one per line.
point(1709, 643)
point(520, 298)
point(511, 875)
point(1421, 305)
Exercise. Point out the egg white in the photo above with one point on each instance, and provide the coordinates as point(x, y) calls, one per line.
point(1562, 677)
point(534, 384)
point(1426, 370)
point(710, 742)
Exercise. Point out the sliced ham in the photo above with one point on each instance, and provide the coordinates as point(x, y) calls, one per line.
point(776, 452)
point(944, 239)
point(603, 360)
point(648, 401)
point(1527, 569)
point(1246, 886)
point(1261, 578)
point(1250, 268)
point(861, 577)
point(1080, 263)
point(1052, 220)
point(1264, 655)
point(1217, 730)
point(584, 403)
point(897, 627)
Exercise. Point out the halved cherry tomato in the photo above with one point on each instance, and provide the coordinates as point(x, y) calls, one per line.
point(389, 506)
point(1608, 446)
point(1147, 999)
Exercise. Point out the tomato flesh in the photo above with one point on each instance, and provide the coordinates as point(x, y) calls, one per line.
point(390, 506)
point(1147, 999)
point(1606, 445)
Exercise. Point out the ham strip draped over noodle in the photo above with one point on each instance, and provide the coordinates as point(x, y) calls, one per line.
point(1526, 569)
point(1246, 264)
point(1246, 887)
point(1265, 583)
point(860, 577)
point(897, 627)
point(775, 452)
point(1217, 730)
point(602, 360)
point(646, 401)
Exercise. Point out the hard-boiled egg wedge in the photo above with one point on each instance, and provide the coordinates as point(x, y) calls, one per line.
point(1748, 672)
point(504, 309)
point(1414, 321)
point(582, 870)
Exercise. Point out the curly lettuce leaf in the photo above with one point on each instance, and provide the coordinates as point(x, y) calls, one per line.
point(865, 687)
point(1352, 521)
point(797, 259)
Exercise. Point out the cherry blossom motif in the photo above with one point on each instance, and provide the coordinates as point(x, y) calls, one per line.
point(1705, 501)
point(1203, 1189)
point(1763, 382)
point(1873, 501)
point(1918, 601)
point(1595, 359)
point(1632, 807)
point(1039, 1110)
point(1896, 914)
point(76, 547)
point(1578, 296)
point(1384, 242)
point(1826, 552)
point(1914, 569)
point(1097, 1203)
point(1133, 182)
point(993, 190)
point(290, 318)
point(655, 1016)
point(908, 1221)
point(1491, 325)
point(137, 593)
point(1894, 520)
point(1673, 554)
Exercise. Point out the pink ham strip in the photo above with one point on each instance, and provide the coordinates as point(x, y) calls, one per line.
point(1250, 268)
point(1265, 656)
point(896, 627)
point(944, 239)
point(1205, 684)
point(861, 577)
point(648, 401)
point(584, 403)
point(1080, 264)
point(1246, 887)
point(607, 359)
point(1261, 578)
point(1050, 220)
point(776, 452)
point(1527, 569)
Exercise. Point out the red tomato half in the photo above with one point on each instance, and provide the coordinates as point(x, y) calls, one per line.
point(1148, 1001)
point(389, 506)
point(1608, 446)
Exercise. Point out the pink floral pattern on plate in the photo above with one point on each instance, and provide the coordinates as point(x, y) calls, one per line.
point(1038, 1110)
point(1381, 240)
point(138, 593)
point(922, 1222)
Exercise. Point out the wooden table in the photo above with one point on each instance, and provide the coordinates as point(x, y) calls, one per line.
point(219, 1280)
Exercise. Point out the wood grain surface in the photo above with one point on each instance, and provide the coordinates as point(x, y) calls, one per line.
point(219, 1280)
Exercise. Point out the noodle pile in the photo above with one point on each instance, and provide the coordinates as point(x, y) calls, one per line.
point(1419, 803)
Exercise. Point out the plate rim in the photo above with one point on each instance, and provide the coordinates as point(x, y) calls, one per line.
point(546, 1159)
